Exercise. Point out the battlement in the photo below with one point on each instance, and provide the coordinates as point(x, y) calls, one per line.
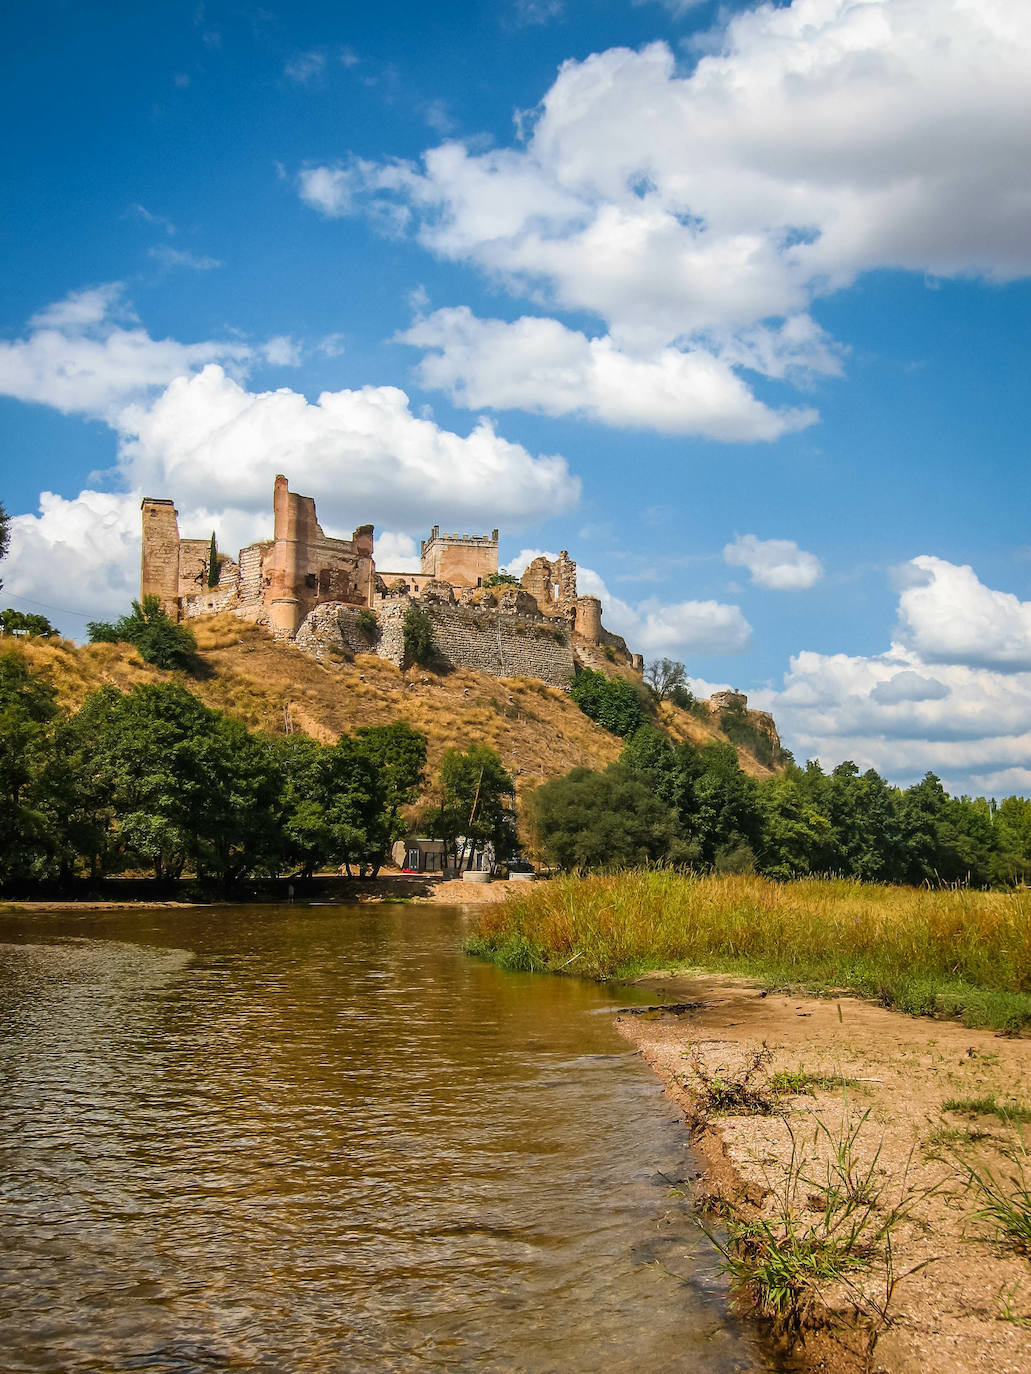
point(464, 560)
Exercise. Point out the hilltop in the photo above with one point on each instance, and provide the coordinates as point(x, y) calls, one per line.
point(270, 684)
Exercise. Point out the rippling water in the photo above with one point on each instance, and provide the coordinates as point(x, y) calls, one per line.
point(322, 1139)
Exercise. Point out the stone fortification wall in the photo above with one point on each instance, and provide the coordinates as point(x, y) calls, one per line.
point(479, 637)
point(335, 626)
point(250, 573)
point(224, 597)
point(193, 566)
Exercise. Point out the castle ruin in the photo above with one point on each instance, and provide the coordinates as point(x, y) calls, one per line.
point(304, 586)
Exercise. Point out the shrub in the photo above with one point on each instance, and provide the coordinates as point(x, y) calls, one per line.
point(367, 624)
point(152, 631)
point(418, 637)
point(612, 702)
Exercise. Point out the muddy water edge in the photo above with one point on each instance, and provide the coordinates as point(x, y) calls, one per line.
point(292, 1139)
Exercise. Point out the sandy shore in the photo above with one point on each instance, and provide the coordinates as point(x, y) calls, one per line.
point(390, 887)
point(970, 1308)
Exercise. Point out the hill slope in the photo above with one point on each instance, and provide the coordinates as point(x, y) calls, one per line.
point(538, 731)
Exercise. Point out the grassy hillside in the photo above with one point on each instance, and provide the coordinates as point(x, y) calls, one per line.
point(538, 731)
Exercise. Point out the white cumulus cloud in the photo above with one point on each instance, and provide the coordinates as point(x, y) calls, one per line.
point(776, 563)
point(951, 695)
point(83, 355)
point(948, 615)
point(706, 208)
point(538, 364)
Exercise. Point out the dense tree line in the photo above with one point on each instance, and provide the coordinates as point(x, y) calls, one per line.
point(677, 804)
point(153, 779)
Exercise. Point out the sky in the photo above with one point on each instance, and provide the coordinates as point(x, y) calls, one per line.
point(729, 300)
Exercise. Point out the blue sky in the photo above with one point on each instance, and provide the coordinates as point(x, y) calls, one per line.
point(731, 301)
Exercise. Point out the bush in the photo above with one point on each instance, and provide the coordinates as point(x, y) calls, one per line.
point(152, 631)
point(368, 626)
point(612, 702)
point(418, 637)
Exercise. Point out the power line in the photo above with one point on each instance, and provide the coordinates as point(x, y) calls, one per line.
point(58, 610)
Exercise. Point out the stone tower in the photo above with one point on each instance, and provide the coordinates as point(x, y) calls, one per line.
point(159, 565)
point(464, 560)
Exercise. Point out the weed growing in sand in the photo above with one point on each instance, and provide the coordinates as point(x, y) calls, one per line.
point(1004, 1199)
point(830, 1225)
point(948, 1137)
point(717, 1092)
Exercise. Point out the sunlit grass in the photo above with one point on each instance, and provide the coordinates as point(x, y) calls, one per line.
point(952, 952)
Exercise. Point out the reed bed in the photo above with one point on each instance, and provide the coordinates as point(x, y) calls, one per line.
point(950, 952)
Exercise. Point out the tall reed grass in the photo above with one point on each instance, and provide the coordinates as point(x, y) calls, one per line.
point(951, 952)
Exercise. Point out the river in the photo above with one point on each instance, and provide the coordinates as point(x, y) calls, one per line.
point(323, 1139)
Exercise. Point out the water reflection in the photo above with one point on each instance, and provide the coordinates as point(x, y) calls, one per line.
point(322, 1139)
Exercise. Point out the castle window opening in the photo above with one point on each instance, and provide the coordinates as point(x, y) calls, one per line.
point(309, 580)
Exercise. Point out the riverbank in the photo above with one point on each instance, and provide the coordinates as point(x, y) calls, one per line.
point(949, 952)
point(424, 889)
point(925, 1103)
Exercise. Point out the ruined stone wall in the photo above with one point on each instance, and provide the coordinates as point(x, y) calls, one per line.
point(489, 641)
point(250, 573)
point(552, 583)
point(305, 568)
point(335, 627)
point(193, 566)
point(159, 563)
point(212, 600)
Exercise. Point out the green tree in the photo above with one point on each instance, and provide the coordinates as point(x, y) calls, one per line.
point(152, 631)
point(864, 813)
point(668, 680)
point(727, 822)
point(473, 811)
point(648, 754)
point(213, 562)
point(797, 838)
point(24, 624)
point(28, 714)
point(609, 820)
point(613, 702)
point(1012, 821)
point(188, 785)
point(397, 753)
point(501, 578)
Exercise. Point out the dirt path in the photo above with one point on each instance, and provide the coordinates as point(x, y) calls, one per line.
point(969, 1310)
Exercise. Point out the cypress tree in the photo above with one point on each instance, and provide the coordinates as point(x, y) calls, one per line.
point(213, 562)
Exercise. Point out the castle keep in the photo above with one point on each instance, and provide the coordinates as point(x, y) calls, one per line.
point(305, 586)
